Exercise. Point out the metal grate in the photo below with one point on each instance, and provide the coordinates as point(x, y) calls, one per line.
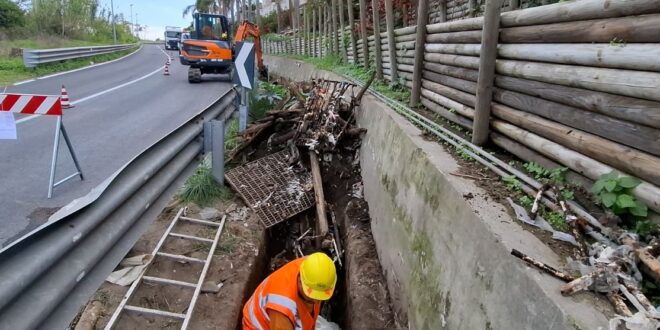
point(272, 188)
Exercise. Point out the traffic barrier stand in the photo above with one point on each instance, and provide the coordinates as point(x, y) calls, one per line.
point(65, 99)
point(167, 70)
point(48, 105)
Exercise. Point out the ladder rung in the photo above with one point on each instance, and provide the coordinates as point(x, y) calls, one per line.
point(194, 238)
point(154, 312)
point(168, 281)
point(180, 257)
point(203, 222)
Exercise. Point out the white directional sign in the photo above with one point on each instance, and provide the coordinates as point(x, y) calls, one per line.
point(244, 65)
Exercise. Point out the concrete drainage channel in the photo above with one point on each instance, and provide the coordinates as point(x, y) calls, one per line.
point(438, 258)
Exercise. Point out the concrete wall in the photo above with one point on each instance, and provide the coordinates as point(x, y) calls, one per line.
point(446, 256)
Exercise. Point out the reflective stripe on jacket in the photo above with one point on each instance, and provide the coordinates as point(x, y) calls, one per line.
point(279, 292)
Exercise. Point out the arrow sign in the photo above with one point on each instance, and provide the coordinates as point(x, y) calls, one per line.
point(244, 65)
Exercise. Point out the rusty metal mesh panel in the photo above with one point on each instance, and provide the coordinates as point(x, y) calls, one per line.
point(272, 188)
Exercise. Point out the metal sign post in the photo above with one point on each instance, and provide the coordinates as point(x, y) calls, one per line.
point(59, 129)
point(244, 77)
point(45, 105)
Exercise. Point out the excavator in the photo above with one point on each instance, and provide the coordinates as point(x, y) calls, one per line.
point(209, 49)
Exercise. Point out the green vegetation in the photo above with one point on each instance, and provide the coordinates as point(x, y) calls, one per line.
point(557, 175)
point(13, 70)
point(54, 24)
point(511, 182)
point(395, 91)
point(615, 193)
point(461, 152)
point(555, 219)
point(201, 188)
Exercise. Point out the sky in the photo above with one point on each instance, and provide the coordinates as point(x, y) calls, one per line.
point(155, 14)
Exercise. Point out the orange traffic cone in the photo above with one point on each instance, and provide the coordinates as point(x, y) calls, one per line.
point(167, 70)
point(64, 99)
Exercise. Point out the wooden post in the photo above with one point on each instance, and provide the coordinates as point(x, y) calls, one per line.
point(321, 31)
point(486, 71)
point(322, 219)
point(306, 32)
point(335, 36)
point(313, 45)
point(472, 7)
point(420, 40)
point(363, 32)
point(377, 44)
point(389, 18)
point(342, 37)
point(351, 23)
point(443, 11)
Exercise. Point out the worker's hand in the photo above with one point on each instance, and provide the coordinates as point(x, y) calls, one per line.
point(224, 35)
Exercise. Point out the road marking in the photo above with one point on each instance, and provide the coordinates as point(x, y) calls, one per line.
point(24, 82)
point(87, 98)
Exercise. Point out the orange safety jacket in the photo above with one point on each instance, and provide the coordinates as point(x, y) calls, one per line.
point(279, 292)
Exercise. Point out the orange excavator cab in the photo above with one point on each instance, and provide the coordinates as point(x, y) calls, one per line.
point(209, 49)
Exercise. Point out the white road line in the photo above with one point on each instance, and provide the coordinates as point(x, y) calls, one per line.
point(87, 98)
point(24, 82)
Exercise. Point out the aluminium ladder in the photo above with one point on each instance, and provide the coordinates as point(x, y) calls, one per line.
point(123, 305)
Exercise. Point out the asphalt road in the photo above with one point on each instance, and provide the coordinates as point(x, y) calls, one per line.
point(121, 108)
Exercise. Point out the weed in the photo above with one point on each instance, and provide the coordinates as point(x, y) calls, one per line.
point(616, 42)
point(512, 183)
point(228, 244)
point(615, 193)
point(526, 201)
point(201, 188)
point(539, 172)
point(567, 194)
point(461, 152)
point(556, 220)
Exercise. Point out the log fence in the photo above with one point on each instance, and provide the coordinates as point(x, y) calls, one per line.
point(574, 84)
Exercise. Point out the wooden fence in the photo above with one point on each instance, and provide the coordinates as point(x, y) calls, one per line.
point(573, 84)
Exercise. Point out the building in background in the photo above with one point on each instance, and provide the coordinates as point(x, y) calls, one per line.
point(268, 6)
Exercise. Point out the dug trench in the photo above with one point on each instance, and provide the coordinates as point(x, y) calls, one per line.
point(247, 253)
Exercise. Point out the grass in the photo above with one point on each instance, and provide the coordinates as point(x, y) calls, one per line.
point(12, 69)
point(333, 63)
point(228, 244)
point(201, 188)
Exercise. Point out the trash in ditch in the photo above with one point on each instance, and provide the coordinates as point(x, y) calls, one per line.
point(521, 214)
point(133, 268)
point(323, 324)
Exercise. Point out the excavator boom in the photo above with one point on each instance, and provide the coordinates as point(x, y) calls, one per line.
point(249, 29)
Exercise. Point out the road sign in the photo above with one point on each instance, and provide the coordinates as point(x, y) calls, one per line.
point(244, 65)
point(31, 104)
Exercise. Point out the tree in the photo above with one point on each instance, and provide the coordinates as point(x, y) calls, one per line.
point(10, 14)
point(202, 6)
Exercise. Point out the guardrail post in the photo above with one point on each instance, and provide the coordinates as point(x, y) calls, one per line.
point(243, 111)
point(489, 39)
point(217, 137)
point(420, 40)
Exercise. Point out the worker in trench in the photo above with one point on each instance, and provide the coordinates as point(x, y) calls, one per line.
point(290, 298)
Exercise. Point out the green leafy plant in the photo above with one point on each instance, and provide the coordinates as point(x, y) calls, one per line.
point(539, 172)
point(567, 194)
point(646, 228)
point(526, 201)
point(512, 183)
point(461, 152)
point(201, 188)
point(556, 220)
point(615, 193)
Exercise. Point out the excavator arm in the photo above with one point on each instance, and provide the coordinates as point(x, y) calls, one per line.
point(249, 29)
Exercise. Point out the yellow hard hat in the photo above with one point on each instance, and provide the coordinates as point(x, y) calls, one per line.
point(318, 276)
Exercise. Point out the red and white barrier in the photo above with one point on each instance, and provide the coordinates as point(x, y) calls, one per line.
point(50, 106)
point(31, 104)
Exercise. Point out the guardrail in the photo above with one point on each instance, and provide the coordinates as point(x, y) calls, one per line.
point(34, 57)
point(50, 273)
